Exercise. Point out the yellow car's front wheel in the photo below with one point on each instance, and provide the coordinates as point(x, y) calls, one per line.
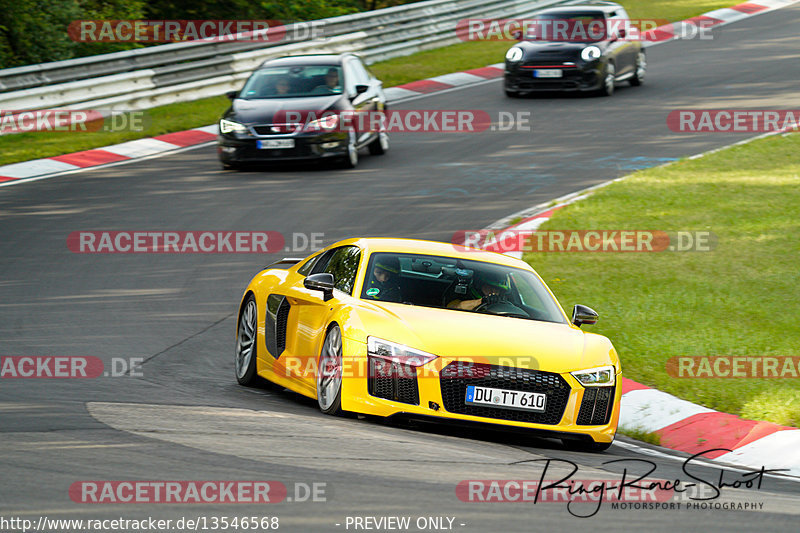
point(329, 373)
point(246, 343)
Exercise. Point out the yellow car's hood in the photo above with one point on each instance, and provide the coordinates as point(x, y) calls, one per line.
point(481, 337)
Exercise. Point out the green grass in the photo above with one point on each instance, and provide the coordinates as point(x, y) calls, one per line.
point(178, 117)
point(644, 436)
point(158, 120)
point(740, 299)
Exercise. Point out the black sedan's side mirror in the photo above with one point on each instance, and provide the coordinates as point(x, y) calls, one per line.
point(321, 282)
point(583, 315)
point(361, 89)
point(232, 94)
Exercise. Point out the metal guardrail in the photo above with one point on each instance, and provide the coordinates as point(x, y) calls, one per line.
point(177, 72)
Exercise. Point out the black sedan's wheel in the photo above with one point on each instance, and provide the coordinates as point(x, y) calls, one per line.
point(351, 158)
point(329, 373)
point(641, 70)
point(246, 343)
point(609, 80)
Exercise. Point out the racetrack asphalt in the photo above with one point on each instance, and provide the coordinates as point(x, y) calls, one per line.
point(178, 311)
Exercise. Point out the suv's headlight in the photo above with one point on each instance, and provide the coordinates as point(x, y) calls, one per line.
point(397, 353)
point(596, 377)
point(228, 126)
point(514, 54)
point(590, 53)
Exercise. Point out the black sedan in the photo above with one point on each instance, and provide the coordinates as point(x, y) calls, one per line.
point(589, 47)
point(297, 108)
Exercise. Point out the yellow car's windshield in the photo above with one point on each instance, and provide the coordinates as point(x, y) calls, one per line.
point(458, 284)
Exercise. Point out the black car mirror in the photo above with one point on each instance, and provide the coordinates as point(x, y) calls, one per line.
point(232, 95)
point(583, 315)
point(361, 89)
point(322, 281)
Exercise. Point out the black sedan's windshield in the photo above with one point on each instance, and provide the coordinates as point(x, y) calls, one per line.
point(458, 284)
point(293, 82)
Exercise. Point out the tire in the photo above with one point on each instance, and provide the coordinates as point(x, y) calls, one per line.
point(246, 344)
point(380, 145)
point(586, 446)
point(641, 70)
point(609, 83)
point(329, 373)
point(351, 159)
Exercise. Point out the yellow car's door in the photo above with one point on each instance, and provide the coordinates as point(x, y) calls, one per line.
point(308, 315)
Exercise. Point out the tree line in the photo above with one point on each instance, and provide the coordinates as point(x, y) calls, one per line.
point(35, 31)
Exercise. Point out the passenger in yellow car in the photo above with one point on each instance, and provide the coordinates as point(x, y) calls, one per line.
point(383, 284)
point(491, 289)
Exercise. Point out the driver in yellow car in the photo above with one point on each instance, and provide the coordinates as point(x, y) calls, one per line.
point(491, 288)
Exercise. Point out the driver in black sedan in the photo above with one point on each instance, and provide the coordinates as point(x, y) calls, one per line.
point(491, 289)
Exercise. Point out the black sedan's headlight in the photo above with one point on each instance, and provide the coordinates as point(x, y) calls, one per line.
point(229, 126)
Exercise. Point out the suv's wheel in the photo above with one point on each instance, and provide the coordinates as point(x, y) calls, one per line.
point(380, 145)
point(609, 80)
point(641, 70)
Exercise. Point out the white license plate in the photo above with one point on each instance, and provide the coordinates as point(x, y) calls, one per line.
point(548, 73)
point(271, 144)
point(509, 399)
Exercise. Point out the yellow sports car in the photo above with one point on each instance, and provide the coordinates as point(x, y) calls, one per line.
point(433, 330)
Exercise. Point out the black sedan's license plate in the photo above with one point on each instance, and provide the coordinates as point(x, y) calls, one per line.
point(508, 399)
point(272, 144)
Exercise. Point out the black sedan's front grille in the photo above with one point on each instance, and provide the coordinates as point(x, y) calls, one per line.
point(276, 129)
point(458, 375)
point(392, 381)
point(596, 406)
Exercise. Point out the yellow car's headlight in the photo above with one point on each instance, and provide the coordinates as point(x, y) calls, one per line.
point(397, 353)
point(602, 376)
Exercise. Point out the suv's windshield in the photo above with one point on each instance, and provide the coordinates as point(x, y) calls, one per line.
point(458, 284)
point(567, 27)
point(293, 82)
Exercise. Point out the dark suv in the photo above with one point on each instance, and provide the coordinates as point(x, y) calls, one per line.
point(587, 47)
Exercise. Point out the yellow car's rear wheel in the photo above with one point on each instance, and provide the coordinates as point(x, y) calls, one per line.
point(329, 373)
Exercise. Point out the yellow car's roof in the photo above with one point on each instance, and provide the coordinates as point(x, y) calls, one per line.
point(376, 244)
